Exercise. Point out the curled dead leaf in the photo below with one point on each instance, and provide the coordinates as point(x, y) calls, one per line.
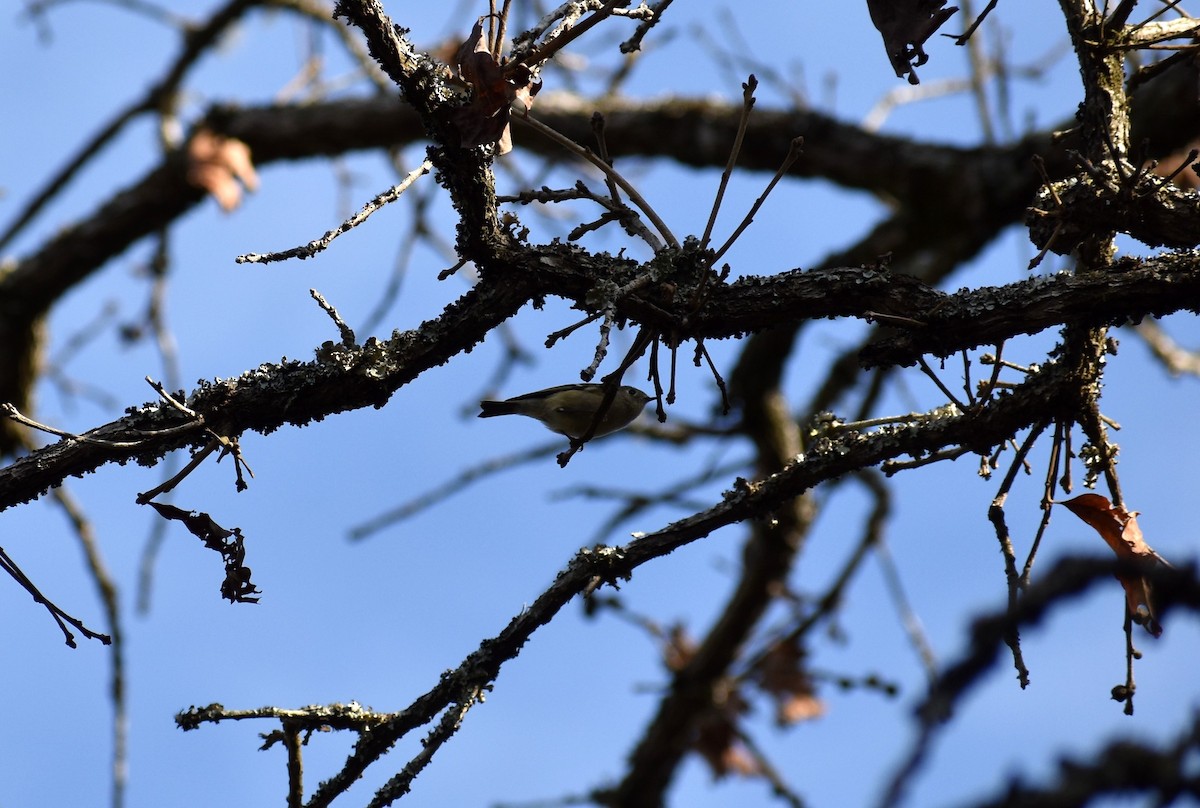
point(905, 26)
point(494, 88)
point(1119, 529)
point(221, 166)
point(236, 586)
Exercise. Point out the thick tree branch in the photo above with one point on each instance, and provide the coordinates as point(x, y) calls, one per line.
point(341, 378)
point(696, 692)
point(349, 378)
point(1132, 289)
point(833, 150)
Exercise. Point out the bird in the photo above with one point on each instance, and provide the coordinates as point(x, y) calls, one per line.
point(569, 409)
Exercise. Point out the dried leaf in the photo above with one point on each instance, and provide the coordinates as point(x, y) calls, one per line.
point(797, 707)
point(782, 675)
point(485, 119)
point(718, 743)
point(1119, 529)
point(525, 84)
point(905, 25)
point(717, 739)
point(678, 649)
point(222, 166)
point(236, 587)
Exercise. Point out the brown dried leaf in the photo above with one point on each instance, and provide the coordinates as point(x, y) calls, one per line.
point(718, 739)
point(485, 119)
point(782, 675)
point(525, 84)
point(479, 68)
point(718, 743)
point(221, 166)
point(236, 587)
point(905, 25)
point(798, 707)
point(1119, 529)
point(678, 649)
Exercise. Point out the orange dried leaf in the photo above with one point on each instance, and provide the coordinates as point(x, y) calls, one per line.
point(1119, 529)
point(796, 707)
point(1117, 526)
point(221, 166)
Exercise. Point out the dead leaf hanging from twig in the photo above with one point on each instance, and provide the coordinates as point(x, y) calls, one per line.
point(485, 119)
point(222, 166)
point(236, 588)
point(1119, 529)
point(905, 25)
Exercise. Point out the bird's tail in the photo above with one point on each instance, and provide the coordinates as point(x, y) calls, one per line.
point(490, 409)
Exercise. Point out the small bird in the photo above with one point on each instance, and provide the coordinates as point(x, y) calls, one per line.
point(570, 408)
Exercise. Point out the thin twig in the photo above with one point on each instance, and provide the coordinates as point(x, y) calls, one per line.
point(793, 153)
point(566, 332)
point(451, 720)
point(13, 413)
point(10, 567)
point(346, 331)
point(590, 156)
point(1175, 358)
point(606, 326)
point(702, 351)
point(967, 378)
point(634, 43)
point(310, 249)
point(966, 35)
point(1131, 654)
point(166, 485)
point(295, 763)
point(551, 46)
point(1166, 7)
point(996, 516)
point(602, 146)
point(451, 487)
point(748, 89)
point(1057, 445)
point(111, 600)
point(985, 391)
point(928, 371)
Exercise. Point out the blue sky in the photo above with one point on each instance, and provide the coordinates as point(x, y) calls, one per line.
point(378, 621)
